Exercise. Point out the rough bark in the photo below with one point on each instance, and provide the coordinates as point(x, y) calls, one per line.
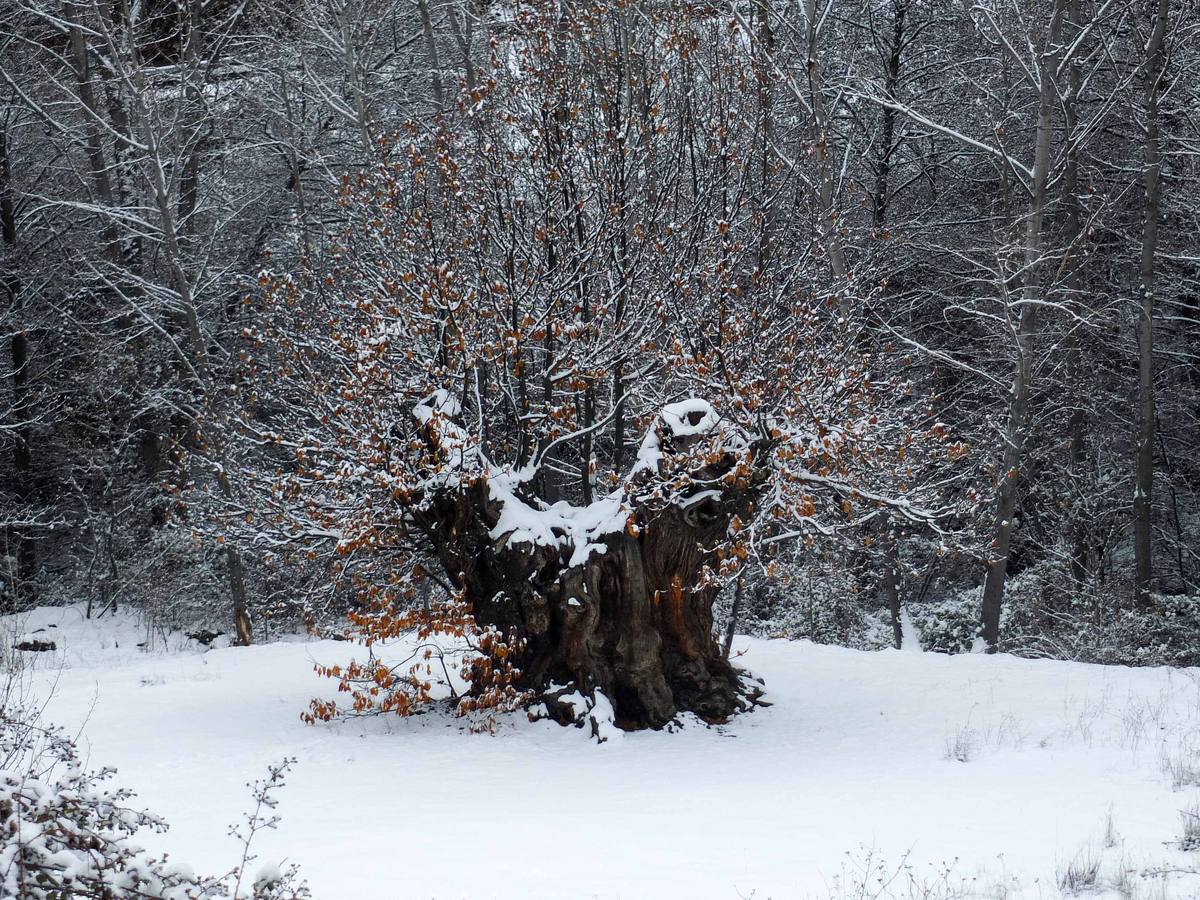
point(627, 621)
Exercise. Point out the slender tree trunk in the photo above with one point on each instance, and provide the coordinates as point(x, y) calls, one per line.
point(1009, 481)
point(734, 612)
point(435, 60)
point(189, 181)
point(827, 178)
point(879, 207)
point(1076, 421)
point(623, 109)
point(891, 88)
point(242, 625)
point(192, 359)
point(101, 182)
point(1143, 496)
point(766, 111)
point(891, 583)
point(464, 37)
point(354, 80)
point(25, 550)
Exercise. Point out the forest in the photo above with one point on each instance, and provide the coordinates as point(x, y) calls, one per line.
point(566, 343)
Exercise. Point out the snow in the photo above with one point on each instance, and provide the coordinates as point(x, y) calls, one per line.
point(677, 419)
point(438, 412)
point(581, 528)
point(1001, 770)
point(268, 873)
point(602, 719)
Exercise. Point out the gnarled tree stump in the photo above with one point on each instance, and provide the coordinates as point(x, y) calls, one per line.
point(628, 613)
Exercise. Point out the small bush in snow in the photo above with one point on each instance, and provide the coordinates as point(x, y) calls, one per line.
point(1111, 837)
point(1046, 617)
point(1080, 875)
point(865, 873)
point(820, 606)
point(1043, 616)
point(1182, 766)
point(67, 832)
point(949, 625)
point(963, 744)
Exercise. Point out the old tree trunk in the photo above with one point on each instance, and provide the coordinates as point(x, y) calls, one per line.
point(619, 604)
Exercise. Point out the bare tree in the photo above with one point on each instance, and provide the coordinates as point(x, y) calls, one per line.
point(1143, 497)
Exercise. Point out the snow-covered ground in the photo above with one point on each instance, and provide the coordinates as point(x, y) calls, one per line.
point(987, 776)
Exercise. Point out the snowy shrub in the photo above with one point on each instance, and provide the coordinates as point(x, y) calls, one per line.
point(823, 620)
point(270, 882)
point(876, 633)
point(1103, 628)
point(949, 625)
point(1166, 635)
point(176, 577)
point(69, 837)
point(1043, 615)
point(1181, 765)
point(67, 832)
